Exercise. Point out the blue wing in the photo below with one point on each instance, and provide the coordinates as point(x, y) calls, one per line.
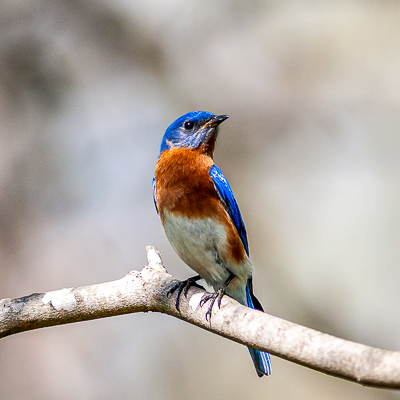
point(155, 192)
point(228, 200)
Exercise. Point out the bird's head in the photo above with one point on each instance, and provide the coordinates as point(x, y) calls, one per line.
point(196, 130)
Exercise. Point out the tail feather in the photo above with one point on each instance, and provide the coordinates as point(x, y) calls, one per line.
point(261, 359)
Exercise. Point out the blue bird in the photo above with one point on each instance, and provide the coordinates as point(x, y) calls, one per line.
point(201, 218)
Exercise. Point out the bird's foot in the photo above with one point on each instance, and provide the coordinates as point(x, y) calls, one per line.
point(213, 297)
point(218, 294)
point(184, 287)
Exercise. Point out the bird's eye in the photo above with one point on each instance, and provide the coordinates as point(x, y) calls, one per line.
point(189, 125)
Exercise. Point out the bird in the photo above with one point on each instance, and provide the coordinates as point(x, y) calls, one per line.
point(201, 217)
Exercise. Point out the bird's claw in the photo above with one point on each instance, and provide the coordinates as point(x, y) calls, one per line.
point(183, 286)
point(213, 297)
point(217, 295)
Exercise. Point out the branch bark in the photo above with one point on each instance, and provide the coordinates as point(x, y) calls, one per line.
point(147, 291)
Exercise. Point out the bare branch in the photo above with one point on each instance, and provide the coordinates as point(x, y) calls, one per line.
point(147, 291)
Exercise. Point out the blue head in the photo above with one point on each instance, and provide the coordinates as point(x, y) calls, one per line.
point(194, 130)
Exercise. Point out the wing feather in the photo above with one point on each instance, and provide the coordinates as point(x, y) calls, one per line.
point(155, 192)
point(225, 193)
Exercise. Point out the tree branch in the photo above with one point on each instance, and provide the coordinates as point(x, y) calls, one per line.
point(147, 291)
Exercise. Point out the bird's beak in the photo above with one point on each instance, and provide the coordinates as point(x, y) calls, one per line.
point(219, 119)
point(213, 122)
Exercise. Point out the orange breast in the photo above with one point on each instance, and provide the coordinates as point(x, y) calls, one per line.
point(184, 185)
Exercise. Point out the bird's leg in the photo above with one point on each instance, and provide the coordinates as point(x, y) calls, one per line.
point(184, 287)
point(218, 294)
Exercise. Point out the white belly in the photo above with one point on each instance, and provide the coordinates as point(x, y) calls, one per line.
point(201, 244)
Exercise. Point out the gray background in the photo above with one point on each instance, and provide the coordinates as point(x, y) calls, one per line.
point(311, 150)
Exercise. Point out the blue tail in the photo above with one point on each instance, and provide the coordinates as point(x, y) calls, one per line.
point(261, 359)
point(262, 362)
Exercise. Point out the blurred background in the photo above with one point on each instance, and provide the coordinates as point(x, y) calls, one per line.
point(87, 89)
